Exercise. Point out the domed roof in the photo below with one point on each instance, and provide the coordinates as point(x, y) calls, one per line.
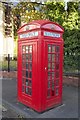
point(46, 24)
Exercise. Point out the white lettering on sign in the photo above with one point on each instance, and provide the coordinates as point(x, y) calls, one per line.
point(51, 34)
point(30, 34)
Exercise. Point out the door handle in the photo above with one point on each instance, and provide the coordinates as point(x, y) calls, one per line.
point(45, 68)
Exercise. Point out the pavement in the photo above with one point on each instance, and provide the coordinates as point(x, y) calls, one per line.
point(14, 109)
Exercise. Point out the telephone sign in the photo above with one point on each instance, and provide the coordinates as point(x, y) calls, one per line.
point(51, 34)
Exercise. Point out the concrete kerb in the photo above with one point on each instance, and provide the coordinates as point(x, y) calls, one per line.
point(18, 111)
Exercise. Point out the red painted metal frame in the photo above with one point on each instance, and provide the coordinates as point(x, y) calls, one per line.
point(39, 101)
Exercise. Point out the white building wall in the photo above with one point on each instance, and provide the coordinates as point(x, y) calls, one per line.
point(9, 46)
point(6, 42)
point(1, 30)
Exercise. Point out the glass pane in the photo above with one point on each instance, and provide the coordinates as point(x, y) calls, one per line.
point(26, 65)
point(57, 74)
point(52, 75)
point(57, 57)
point(23, 64)
point(48, 93)
point(26, 57)
point(53, 48)
point(23, 49)
point(27, 74)
point(23, 88)
point(26, 49)
point(57, 48)
point(30, 83)
point(49, 57)
point(52, 85)
point(27, 82)
point(23, 81)
point(57, 82)
point(57, 66)
point(23, 72)
point(49, 75)
point(30, 91)
point(52, 66)
point(30, 74)
point(30, 57)
point(48, 84)
point(23, 57)
point(30, 66)
point(57, 91)
point(53, 57)
point(27, 90)
point(30, 49)
point(49, 48)
point(49, 66)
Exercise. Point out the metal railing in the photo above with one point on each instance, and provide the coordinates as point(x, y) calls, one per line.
point(8, 63)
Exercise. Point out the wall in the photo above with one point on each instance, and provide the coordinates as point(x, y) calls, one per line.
point(1, 30)
point(6, 40)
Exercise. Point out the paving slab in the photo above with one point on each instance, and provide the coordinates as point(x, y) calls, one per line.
point(69, 108)
point(8, 112)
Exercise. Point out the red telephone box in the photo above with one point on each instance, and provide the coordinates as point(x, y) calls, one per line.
point(40, 63)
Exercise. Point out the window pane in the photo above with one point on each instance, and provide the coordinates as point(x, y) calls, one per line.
point(57, 57)
point(30, 49)
point(27, 74)
point(57, 66)
point(53, 48)
point(52, 85)
point(23, 49)
point(30, 57)
point(26, 49)
point(23, 57)
point(49, 66)
point(27, 82)
point(23, 72)
point(48, 93)
point(52, 75)
point(48, 84)
point(26, 65)
point(27, 90)
point(30, 74)
point(57, 48)
point(23, 64)
point(49, 48)
point(30, 83)
point(49, 75)
point(52, 66)
point(30, 91)
point(57, 82)
point(53, 57)
point(30, 66)
point(26, 57)
point(23, 88)
point(49, 57)
point(57, 91)
point(23, 81)
point(57, 74)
